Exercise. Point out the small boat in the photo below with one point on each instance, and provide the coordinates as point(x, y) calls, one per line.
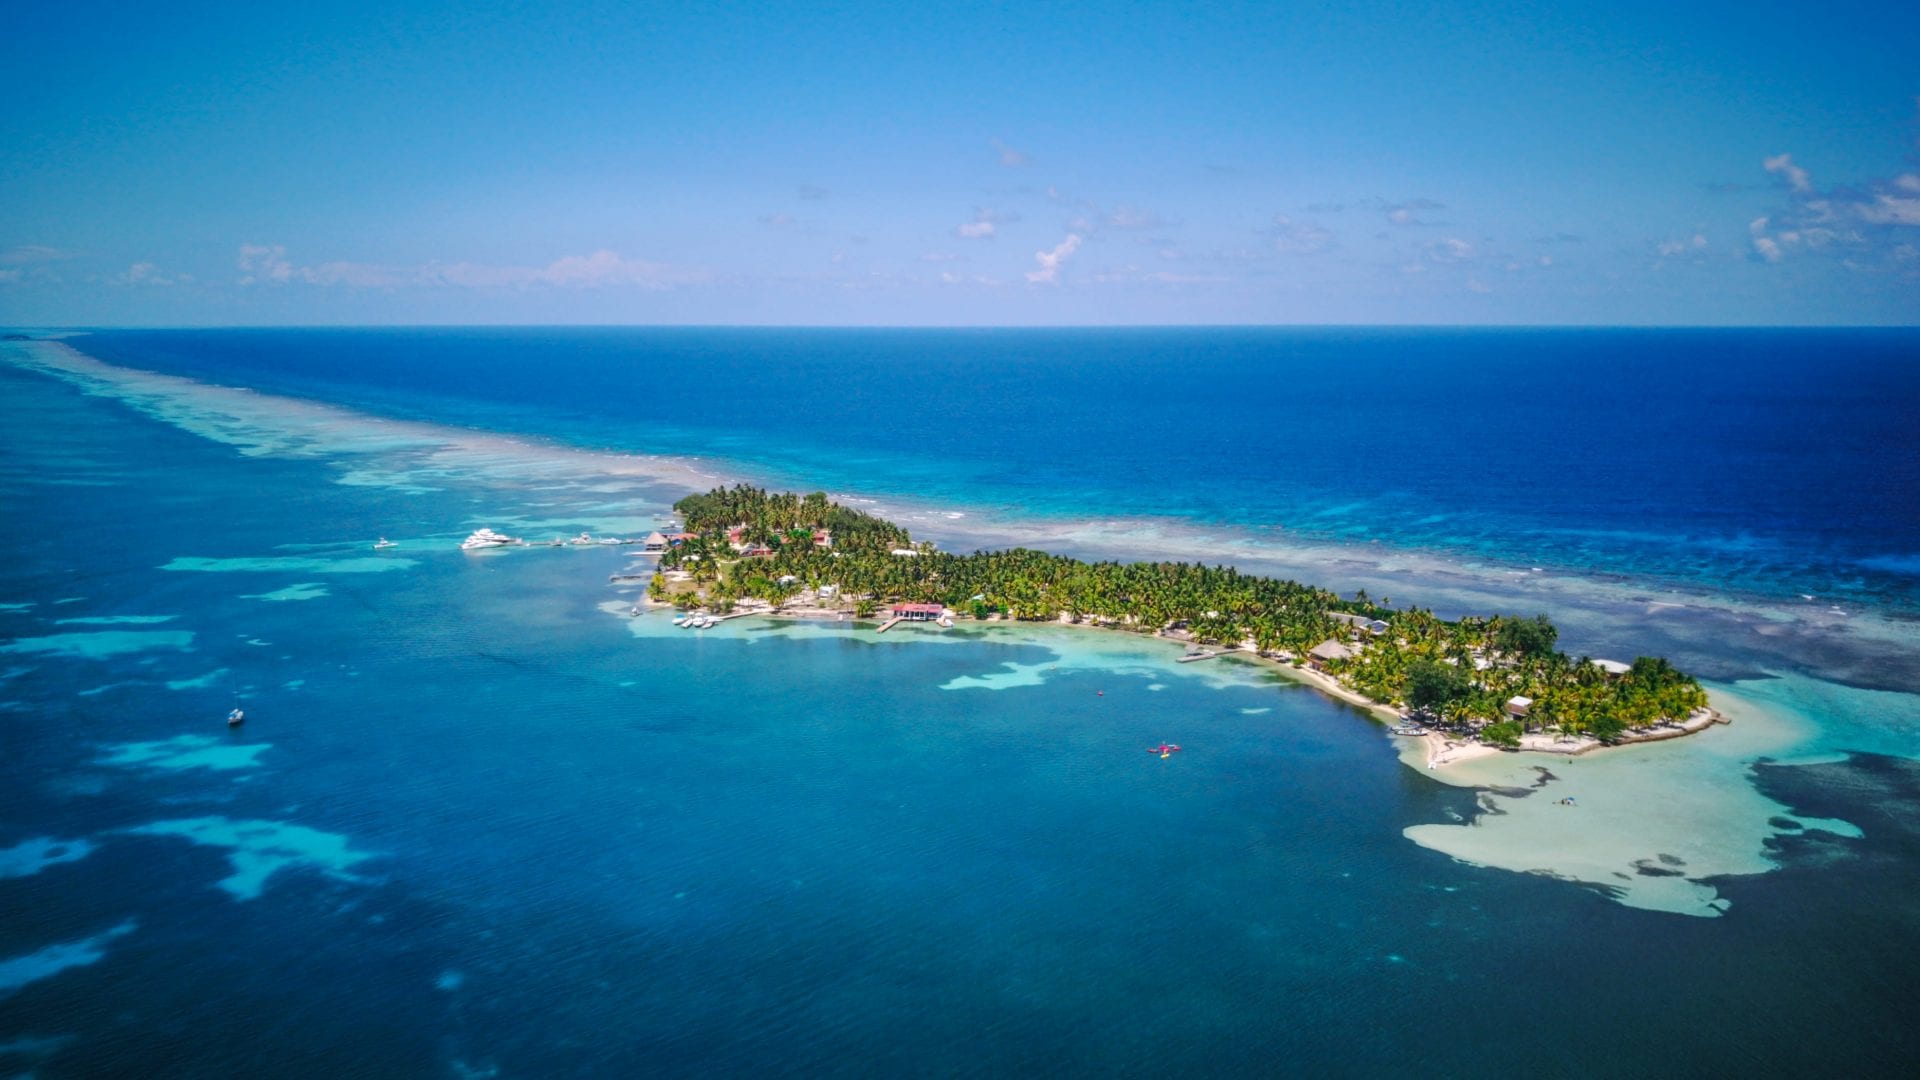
point(1165, 750)
point(679, 620)
point(708, 623)
point(384, 544)
point(236, 717)
point(583, 538)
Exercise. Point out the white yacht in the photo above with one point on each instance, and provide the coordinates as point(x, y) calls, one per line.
point(384, 544)
point(485, 538)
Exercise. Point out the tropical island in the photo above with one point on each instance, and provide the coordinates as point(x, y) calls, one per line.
point(1488, 681)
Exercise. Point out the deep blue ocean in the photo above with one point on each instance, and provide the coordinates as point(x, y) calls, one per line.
point(481, 823)
point(1776, 462)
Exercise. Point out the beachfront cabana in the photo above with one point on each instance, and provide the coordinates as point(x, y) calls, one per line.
point(655, 541)
point(1517, 706)
point(918, 612)
point(1325, 651)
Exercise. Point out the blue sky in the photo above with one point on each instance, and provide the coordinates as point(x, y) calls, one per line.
point(945, 164)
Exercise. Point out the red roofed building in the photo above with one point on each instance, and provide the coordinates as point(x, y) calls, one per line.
point(918, 612)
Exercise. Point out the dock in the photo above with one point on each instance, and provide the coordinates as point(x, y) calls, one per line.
point(889, 624)
point(1208, 654)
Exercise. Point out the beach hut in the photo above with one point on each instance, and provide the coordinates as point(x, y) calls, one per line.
point(655, 541)
point(1517, 706)
point(1325, 651)
point(918, 612)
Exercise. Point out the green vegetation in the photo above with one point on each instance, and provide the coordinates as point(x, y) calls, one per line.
point(1458, 674)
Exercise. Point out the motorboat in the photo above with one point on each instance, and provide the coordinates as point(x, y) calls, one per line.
point(384, 544)
point(237, 717)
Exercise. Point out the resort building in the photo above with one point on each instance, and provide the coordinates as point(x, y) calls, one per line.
point(918, 612)
point(1375, 627)
point(655, 541)
point(1613, 667)
point(1518, 706)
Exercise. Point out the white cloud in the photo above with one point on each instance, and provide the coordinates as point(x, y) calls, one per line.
point(1668, 249)
point(1887, 209)
point(1009, 157)
point(258, 262)
point(1406, 213)
point(1865, 226)
point(262, 264)
point(1049, 270)
point(948, 277)
point(1299, 237)
point(21, 254)
point(1131, 217)
point(985, 224)
point(777, 221)
point(1451, 249)
point(145, 273)
point(1796, 177)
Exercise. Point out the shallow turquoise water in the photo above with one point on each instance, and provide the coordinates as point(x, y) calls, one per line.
point(474, 821)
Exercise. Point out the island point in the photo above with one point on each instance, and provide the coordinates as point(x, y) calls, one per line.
point(1470, 686)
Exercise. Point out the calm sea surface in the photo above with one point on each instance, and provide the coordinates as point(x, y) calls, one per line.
point(1771, 461)
point(478, 825)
